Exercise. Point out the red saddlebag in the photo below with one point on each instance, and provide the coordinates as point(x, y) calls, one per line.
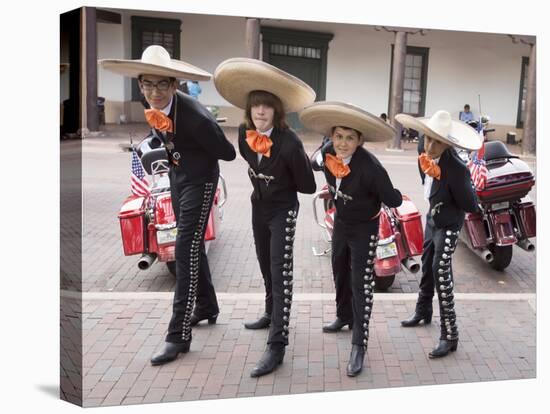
point(132, 225)
point(410, 222)
point(528, 219)
point(503, 230)
point(474, 227)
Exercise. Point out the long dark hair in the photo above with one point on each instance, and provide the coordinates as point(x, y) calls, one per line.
point(265, 98)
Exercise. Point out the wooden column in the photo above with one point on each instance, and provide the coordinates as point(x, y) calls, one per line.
point(398, 78)
point(529, 141)
point(252, 38)
point(91, 69)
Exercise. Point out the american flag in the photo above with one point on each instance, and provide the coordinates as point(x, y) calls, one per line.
point(139, 184)
point(477, 165)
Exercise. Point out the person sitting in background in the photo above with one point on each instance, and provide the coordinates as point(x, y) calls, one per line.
point(194, 89)
point(466, 115)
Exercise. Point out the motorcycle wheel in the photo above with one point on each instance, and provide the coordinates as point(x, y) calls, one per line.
point(502, 256)
point(171, 267)
point(383, 283)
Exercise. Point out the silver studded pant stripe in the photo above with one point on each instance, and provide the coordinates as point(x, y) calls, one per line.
point(437, 275)
point(195, 202)
point(287, 274)
point(195, 261)
point(353, 255)
point(444, 285)
point(274, 231)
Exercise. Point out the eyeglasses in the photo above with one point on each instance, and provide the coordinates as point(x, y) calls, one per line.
point(162, 85)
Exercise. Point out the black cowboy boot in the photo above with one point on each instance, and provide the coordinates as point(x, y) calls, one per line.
point(272, 357)
point(356, 358)
point(170, 352)
point(421, 313)
point(337, 325)
point(194, 320)
point(443, 348)
point(262, 323)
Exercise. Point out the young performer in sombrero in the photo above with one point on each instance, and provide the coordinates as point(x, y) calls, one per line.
point(358, 184)
point(194, 143)
point(448, 188)
point(278, 169)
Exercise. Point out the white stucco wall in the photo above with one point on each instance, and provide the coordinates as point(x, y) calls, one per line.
point(208, 40)
point(110, 46)
point(461, 64)
point(464, 65)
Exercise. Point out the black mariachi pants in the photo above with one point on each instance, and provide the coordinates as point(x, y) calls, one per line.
point(192, 204)
point(354, 244)
point(274, 229)
point(437, 273)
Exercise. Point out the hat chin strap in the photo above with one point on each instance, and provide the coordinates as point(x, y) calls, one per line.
point(452, 139)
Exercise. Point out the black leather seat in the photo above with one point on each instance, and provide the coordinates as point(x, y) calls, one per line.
point(495, 150)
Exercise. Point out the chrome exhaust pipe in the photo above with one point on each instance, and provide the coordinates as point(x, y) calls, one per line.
point(411, 265)
point(485, 254)
point(146, 261)
point(526, 245)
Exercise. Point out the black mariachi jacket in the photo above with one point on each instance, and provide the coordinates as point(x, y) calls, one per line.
point(198, 139)
point(278, 178)
point(453, 194)
point(363, 190)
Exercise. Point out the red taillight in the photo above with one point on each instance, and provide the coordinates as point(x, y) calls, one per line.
point(384, 229)
point(164, 214)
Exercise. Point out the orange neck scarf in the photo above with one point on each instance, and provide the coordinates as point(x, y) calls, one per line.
point(336, 166)
point(158, 120)
point(259, 143)
point(429, 166)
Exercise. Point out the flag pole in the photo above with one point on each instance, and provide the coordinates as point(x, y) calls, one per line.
point(131, 141)
point(479, 103)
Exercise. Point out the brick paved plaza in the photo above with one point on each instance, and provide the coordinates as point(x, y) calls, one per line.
point(126, 310)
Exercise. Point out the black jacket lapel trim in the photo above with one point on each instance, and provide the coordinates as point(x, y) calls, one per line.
point(443, 164)
point(277, 143)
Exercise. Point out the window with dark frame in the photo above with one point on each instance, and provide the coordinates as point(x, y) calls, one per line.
point(296, 51)
point(522, 92)
point(147, 31)
point(412, 91)
point(414, 86)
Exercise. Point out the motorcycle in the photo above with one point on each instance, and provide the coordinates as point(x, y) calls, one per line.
point(484, 120)
point(507, 215)
point(148, 223)
point(400, 232)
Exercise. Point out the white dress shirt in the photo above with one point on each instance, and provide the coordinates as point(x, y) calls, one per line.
point(339, 180)
point(428, 181)
point(267, 134)
point(168, 107)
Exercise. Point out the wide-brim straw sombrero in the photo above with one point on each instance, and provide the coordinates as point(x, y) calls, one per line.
point(155, 60)
point(235, 78)
point(442, 128)
point(322, 117)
